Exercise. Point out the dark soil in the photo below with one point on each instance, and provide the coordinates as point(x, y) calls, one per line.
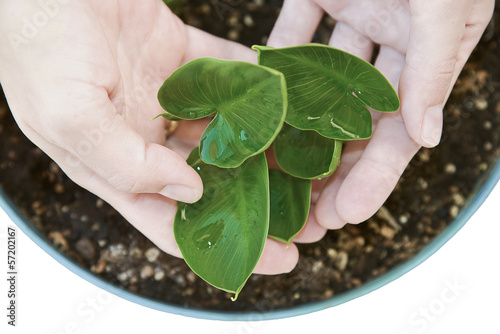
point(434, 188)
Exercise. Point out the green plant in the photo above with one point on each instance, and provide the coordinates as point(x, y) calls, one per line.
point(307, 100)
point(174, 5)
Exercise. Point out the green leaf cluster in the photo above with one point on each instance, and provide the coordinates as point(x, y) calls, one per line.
point(305, 101)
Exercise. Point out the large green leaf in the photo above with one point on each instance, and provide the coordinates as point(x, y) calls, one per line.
point(250, 101)
point(290, 202)
point(329, 89)
point(221, 237)
point(306, 154)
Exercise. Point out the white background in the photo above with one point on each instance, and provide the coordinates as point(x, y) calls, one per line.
point(455, 291)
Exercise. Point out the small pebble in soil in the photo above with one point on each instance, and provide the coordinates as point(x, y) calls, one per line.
point(385, 214)
point(152, 254)
point(248, 21)
point(99, 266)
point(134, 279)
point(191, 277)
point(422, 183)
point(135, 252)
point(332, 253)
point(233, 21)
point(469, 105)
point(147, 271)
point(159, 274)
point(58, 240)
point(180, 280)
point(360, 241)
point(424, 155)
point(341, 260)
point(117, 251)
point(205, 9)
point(317, 266)
point(458, 199)
point(99, 203)
point(233, 35)
point(59, 188)
point(450, 168)
point(387, 232)
point(403, 219)
point(481, 104)
point(85, 248)
point(454, 211)
point(122, 277)
point(12, 155)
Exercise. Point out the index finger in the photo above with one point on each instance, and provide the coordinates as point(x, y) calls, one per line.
point(292, 29)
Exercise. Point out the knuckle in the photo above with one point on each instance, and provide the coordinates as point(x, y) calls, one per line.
point(125, 182)
point(389, 171)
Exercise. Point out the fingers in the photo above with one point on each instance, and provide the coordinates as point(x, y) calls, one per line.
point(381, 21)
point(358, 192)
point(277, 258)
point(368, 175)
point(325, 213)
point(375, 175)
point(296, 24)
point(151, 214)
point(202, 44)
point(326, 210)
point(312, 231)
point(436, 33)
point(344, 37)
point(103, 142)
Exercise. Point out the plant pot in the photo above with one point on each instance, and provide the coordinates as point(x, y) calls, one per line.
point(49, 209)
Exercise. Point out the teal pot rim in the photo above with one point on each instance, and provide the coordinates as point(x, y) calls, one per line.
point(482, 190)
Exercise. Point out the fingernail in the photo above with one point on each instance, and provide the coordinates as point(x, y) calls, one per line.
point(180, 193)
point(432, 126)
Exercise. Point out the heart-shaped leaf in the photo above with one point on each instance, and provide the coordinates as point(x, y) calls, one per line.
point(221, 237)
point(306, 154)
point(250, 101)
point(290, 202)
point(329, 89)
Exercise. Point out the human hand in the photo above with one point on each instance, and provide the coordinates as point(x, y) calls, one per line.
point(423, 48)
point(81, 78)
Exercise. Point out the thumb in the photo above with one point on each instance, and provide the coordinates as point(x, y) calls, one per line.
point(436, 31)
point(121, 157)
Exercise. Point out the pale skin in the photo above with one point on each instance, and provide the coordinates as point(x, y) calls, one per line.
point(82, 86)
point(424, 45)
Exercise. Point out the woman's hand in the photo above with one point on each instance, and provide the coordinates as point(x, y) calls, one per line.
point(424, 45)
point(81, 78)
